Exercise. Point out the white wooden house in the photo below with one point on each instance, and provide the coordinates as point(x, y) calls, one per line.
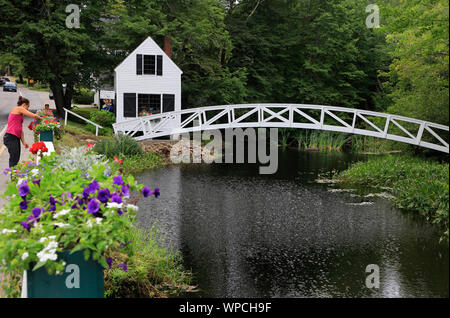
point(147, 82)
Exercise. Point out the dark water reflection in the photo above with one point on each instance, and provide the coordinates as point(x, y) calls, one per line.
point(247, 235)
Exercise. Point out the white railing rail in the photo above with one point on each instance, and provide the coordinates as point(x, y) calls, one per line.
point(66, 112)
point(287, 116)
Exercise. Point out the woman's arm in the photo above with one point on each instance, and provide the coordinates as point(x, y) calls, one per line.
point(28, 113)
point(23, 140)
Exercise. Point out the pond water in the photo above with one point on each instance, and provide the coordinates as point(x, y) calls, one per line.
point(284, 235)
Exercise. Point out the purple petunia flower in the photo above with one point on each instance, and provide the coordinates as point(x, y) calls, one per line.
point(37, 182)
point(93, 206)
point(118, 180)
point(26, 226)
point(119, 211)
point(93, 186)
point(37, 212)
point(23, 205)
point(126, 190)
point(156, 192)
point(6, 171)
point(146, 191)
point(124, 266)
point(116, 198)
point(86, 192)
point(109, 261)
point(52, 200)
point(24, 189)
point(103, 195)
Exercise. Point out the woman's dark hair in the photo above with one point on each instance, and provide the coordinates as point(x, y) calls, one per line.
point(22, 100)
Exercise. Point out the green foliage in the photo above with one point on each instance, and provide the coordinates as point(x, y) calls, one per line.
point(417, 184)
point(418, 77)
point(154, 271)
point(320, 140)
point(119, 146)
point(138, 163)
point(83, 96)
point(103, 118)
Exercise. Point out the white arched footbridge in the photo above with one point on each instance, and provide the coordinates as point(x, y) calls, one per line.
point(330, 118)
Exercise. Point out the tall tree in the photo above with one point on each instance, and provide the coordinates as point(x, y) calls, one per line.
point(418, 78)
point(36, 32)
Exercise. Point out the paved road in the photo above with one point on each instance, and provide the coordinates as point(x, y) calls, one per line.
point(9, 99)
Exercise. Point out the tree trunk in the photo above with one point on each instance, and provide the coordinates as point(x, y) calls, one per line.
point(62, 100)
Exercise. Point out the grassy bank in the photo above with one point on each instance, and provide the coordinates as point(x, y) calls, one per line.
point(417, 184)
point(153, 271)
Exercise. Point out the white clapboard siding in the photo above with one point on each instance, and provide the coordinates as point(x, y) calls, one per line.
point(126, 80)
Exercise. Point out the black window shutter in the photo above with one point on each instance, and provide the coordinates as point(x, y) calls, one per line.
point(159, 65)
point(168, 103)
point(129, 105)
point(139, 64)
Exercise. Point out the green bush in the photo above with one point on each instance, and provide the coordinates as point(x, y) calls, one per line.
point(120, 145)
point(83, 96)
point(103, 118)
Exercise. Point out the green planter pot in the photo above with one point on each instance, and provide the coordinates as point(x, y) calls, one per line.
point(81, 279)
point(46, 136)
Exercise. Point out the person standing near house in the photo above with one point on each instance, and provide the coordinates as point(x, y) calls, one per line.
point(14, 132)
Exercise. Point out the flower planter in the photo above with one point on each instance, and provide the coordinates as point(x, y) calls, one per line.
point(81, 279)
point(46, 136)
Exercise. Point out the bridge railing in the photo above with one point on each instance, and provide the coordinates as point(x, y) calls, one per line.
point(330, 118)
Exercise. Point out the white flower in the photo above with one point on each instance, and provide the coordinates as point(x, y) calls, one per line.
point(61, 224)
point(20, 181)
point(34, 172)
point(43, 239)
point(62, 212)
point(97, 221)
point(24, 256)
point(6, 231)
point(49, 252)
point(110, 205)
point(133, 207)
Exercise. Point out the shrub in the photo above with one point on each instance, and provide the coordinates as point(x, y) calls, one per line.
point(120, 145)
point(103, 118)
point(83, 96)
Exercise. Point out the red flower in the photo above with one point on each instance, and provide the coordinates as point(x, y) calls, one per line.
point(117, 160)
point(38, 146)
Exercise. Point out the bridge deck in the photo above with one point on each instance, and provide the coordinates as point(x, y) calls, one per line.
point(329, 118)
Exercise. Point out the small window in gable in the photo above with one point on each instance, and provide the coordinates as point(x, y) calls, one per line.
point(149, 64)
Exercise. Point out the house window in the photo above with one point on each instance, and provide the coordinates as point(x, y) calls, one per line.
point(168, 103)
point(149, 104)
point(129, 105)
point(149, 64)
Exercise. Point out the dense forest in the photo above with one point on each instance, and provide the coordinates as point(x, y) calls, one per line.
point(296, 51)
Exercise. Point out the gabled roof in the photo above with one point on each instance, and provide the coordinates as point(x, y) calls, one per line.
point(149, 39)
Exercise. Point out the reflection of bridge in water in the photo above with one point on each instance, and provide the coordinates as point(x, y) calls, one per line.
point(329, 118)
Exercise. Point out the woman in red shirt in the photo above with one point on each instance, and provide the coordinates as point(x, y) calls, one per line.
point(14, 132)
